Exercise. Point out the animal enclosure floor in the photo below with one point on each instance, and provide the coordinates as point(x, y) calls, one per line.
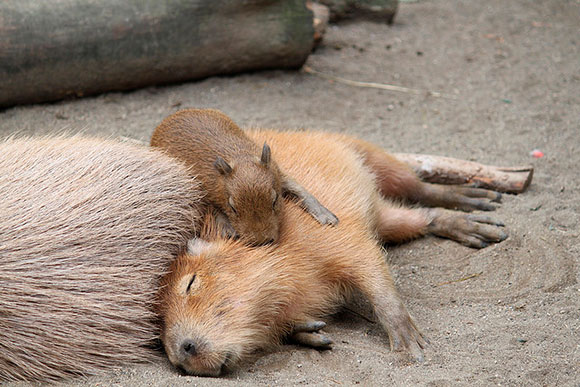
point(508, 314)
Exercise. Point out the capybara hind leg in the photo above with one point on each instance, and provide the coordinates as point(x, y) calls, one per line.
point(397, 180)
point(472, 230)
point(394, 178)
point(457, 197)
point(373, 279)
point(399, 224)
point(396, 224)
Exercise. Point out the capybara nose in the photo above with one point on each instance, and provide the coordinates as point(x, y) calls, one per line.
point(188, 347)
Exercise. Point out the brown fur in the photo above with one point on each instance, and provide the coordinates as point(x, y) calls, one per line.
point(243, 298)
point(87, 227)
point(231, 168)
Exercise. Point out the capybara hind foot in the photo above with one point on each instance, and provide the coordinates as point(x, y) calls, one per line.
point(457, 197)
point(308, 334)
point(473, 230)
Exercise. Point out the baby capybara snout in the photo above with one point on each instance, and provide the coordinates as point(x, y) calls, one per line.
point(253, 203)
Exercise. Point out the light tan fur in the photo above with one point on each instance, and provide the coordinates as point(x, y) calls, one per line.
point(87, 227)
point(223, 300)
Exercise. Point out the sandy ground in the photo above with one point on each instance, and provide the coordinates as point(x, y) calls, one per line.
point(515, 70)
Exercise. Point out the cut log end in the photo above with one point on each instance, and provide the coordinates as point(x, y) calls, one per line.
point(447, 170)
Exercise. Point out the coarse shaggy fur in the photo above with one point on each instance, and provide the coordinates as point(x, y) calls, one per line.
point(87, 227)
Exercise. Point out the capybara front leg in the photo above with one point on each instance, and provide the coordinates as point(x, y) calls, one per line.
point(376, 284)
point(308, 334)
point(308, 202)
point(223, 224)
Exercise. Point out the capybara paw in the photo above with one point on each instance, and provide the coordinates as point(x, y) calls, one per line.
point(312, 339)
point(406, 337)
point(225, 227)
point(308, 334)
point(472, 230)
point(476, 199)
point(459, 198)
point(324, 216)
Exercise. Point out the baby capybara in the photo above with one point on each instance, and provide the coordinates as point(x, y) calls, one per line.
point(87, 228)
point(223, 299)
point(241, 181)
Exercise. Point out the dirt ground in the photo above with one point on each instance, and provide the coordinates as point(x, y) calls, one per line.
point(514, 67)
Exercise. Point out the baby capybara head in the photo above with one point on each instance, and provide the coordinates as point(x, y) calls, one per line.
point(218, 305)
point(252, 199)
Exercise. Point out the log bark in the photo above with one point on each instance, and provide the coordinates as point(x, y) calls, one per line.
point(53, 49)
point(447, 170)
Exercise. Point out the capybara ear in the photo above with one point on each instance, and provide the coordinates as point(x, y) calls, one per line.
point(266, 154)
point(222, 166)
point(198, 246)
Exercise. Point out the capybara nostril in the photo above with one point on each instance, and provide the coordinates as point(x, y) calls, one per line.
point(188, 347)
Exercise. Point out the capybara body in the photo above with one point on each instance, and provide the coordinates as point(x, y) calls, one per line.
point(223, 300)
point(87, 228)
point(239, 176)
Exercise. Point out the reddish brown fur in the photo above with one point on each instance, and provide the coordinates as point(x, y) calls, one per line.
point(244, 298)
point(87, 228)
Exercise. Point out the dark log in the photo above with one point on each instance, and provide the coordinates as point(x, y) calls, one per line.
point(378, 10)
point(447, 170)
point(53, 49)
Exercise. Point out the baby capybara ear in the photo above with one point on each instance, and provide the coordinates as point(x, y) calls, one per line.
point(222, 166)
point(266, 155)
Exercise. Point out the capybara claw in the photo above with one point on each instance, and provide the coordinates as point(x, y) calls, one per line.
point(308, 334)
point(309, 326)
point(312, 339)
point(326, 217)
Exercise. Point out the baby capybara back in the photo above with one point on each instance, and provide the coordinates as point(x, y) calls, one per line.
point(87, 227)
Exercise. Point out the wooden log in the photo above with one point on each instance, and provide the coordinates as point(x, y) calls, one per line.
point(53, 49)
point(378, 10)
point(447, 170)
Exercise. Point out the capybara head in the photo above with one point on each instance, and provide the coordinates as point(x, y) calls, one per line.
point(252, 199)
point(217, 306)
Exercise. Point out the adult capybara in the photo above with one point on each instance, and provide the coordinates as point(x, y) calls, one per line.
point(87, 227)
point(223, 300)
point(241, 181)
